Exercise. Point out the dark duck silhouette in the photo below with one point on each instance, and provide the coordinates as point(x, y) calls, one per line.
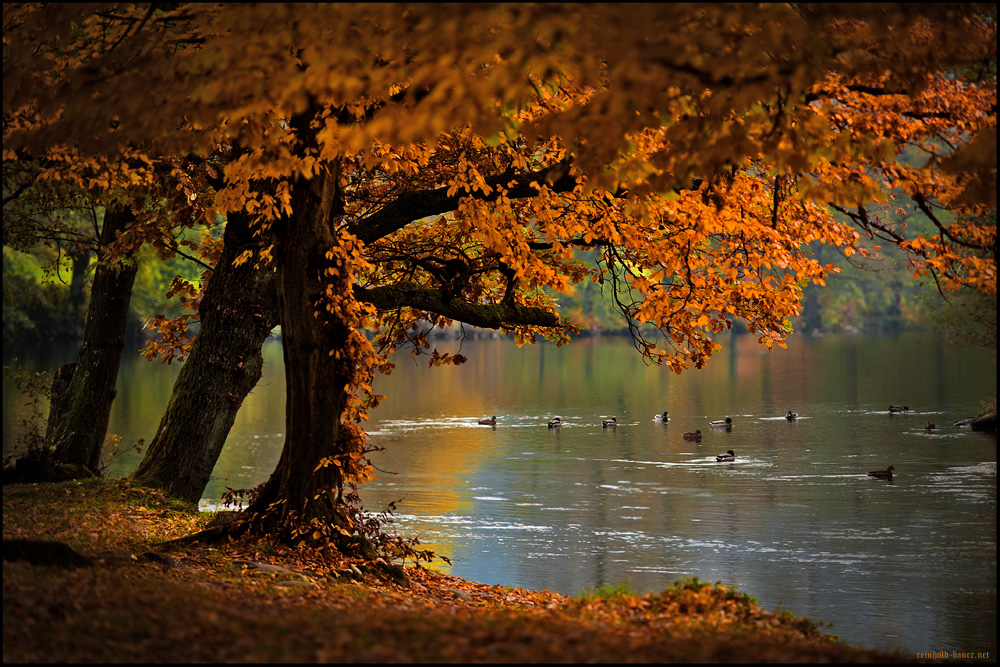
point(492, 421)
point(882, 474)
point(692, 435)
point(610, 423)
point(899, 408)
point(555, 423)
point(791, 415)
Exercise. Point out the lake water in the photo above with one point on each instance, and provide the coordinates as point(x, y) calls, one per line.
point(794, 521)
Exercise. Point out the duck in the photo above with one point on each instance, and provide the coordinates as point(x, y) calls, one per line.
point(882, 474)
point(898, 408)
point(791, 415)
point(728, 456)
point(930, 426)
point(665, 417)
point(610, 423)
point(555, 423)
point(693, 435)
point(492, 421)
point(722, 423)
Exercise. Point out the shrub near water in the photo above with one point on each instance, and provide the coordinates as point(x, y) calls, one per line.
point(697, 608)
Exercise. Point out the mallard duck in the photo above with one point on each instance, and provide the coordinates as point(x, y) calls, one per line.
point(930, 426)
point(665, 417)
point(555, 423)
point(898, 408)
point(791, 415)
point(692, 435)
point(882, 474)
point(722, 423)
point(492, 421)
point(728, 456)
point(610, 423)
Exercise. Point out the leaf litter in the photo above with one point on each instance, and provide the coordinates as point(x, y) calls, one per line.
point(252, 601)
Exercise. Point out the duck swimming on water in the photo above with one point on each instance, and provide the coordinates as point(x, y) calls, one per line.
point(665, 417)
point(882, 474)
point(492, 421)
point(555, 423)
point(722, 423)
point(791, 415)
point(610, 423)
point(728, 456)
point(692, 435)
point(898, 408)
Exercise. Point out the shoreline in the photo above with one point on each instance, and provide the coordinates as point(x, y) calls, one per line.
point(251, 600)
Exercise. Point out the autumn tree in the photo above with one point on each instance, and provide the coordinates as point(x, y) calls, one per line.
point(149, 198)
point(235, 307)
point(237, 310)
point(84, 390)
point(445, 163)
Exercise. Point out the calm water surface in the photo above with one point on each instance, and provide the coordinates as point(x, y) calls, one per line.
point(794, 521)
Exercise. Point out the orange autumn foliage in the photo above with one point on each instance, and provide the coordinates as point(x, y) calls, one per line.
point(465, 154)
point(778, 112)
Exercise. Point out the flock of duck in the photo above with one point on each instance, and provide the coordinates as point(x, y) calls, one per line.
point(726, 423)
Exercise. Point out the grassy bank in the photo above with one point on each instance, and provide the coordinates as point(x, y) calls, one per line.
point(251, 601)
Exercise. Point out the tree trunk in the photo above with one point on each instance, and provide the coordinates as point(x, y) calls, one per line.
point(77, 297)
point(82, 424)
point(57, 397)
point(317, 374)
point(237, 313)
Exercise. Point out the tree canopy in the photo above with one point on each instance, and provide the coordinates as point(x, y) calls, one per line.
point(449, 162)
point(775, 112)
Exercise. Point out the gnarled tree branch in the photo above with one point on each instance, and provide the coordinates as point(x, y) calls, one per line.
point(411, 206)
point(487, 316)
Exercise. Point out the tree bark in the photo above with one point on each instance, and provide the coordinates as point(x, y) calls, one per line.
point(57, 397)
point(317, 374)
point(80, 427)
point(487, 316)
point(77, 297)
point(237, 313)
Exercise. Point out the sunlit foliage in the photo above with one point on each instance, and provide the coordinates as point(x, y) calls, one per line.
point(453, 160)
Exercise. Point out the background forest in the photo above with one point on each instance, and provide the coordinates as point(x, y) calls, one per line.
point(874, 295)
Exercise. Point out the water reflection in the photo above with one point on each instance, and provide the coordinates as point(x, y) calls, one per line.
point(794, 521)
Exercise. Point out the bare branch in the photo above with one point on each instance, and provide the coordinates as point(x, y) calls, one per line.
point(487, 316)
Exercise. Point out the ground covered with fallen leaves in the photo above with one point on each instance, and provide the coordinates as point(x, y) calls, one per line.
point(251, 601)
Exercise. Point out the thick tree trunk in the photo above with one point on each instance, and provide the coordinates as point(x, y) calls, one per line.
point(82, 423)
point(317, 374)
point(237, 313)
